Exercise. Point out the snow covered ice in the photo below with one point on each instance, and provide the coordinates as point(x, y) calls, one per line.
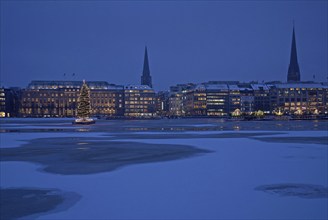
point(165, 169)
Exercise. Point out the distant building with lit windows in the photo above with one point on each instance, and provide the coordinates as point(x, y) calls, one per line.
point(139, 101)
point(209, 99)
point(59, 99)
point(307, 98)
point(194, 101)
point(176, 99)
point(9, 102)
point(217, 99)
point(162, 103)
point(262, 99)
point(3, 110)
point(235, 99)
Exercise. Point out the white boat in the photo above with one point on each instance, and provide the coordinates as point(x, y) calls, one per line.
point(84, 121)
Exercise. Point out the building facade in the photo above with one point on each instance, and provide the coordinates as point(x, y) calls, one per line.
point(262, 99)
point(218, 99)
point(162, 103)
point(210, 99)
point(3, 107)
point(10, 102)
point(59, 99)
point(221, 99)
point(139, 101)
point(300, 98)
point(177, 99)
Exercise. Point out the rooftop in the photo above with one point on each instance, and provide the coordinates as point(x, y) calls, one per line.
point(137, 87)
point(301, 85)
point(39, 84)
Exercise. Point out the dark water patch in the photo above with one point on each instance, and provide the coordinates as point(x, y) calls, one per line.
point(295, 140)
point(20, 202)
point(69, 156)
point(306, 191)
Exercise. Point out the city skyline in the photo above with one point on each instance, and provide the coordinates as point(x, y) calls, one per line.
point(194, 43)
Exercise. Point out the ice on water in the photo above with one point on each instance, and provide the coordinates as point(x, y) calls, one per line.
point(243, 177)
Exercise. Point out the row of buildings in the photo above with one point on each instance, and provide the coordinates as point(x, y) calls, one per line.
point(223, 98)
point(210, 99)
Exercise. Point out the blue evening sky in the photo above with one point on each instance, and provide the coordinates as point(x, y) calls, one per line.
point(193, 41)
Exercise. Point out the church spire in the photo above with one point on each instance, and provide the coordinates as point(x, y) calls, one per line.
point(146, 78)
point(293, 69)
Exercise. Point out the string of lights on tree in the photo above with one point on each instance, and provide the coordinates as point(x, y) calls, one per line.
point(84, 107)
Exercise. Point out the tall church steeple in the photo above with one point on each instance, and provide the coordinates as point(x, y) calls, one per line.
point(293, 69)
point(146, 78)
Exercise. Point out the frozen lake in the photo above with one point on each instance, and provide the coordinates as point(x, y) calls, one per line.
point(163, 169)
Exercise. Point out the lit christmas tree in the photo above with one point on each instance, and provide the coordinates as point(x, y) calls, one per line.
point(84, 107)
